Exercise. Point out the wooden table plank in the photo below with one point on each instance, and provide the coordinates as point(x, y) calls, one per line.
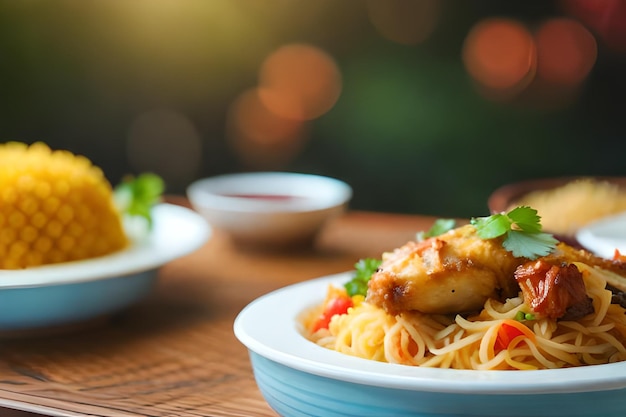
point(175, 354)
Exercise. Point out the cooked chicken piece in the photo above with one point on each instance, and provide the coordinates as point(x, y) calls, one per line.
point(616, 280)
point(452, 273)
point(555, 291)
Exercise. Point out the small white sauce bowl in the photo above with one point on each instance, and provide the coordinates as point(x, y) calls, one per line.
point(269, 209)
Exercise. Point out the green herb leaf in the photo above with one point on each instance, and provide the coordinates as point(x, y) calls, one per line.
point(492, 226)
point(526, 219)
point(529, 245)
point(135, 196)
point(364, 269)
point(439, 227)
point(522, 230)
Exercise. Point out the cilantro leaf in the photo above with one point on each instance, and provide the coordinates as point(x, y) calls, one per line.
point(529, 245)
point(526, 219)
point(364, 269)
point(521, 228)
point(492, 226)
point(135, 196)
point(439, 227)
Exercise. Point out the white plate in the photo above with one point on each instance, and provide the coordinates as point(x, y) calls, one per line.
point(300, 378)
point(59, 294)
point(603, 236)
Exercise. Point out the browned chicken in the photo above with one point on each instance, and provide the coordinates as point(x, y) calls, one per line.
point(554, 290)
point(457, 272)
point(454, 272)
point(616, 280)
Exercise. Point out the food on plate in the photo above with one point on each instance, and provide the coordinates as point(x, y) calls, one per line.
point(471, 270)
point(495, 294)
point(567, 208)
point(55, 207)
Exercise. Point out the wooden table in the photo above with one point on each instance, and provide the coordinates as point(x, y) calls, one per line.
point(175, 354)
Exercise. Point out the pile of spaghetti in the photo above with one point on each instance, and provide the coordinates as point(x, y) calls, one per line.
point(459, 300)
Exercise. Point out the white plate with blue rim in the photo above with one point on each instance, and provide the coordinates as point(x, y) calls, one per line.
point(298, 378)
point(58, 295)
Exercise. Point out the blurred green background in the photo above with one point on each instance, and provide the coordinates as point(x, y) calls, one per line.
point(423, 106)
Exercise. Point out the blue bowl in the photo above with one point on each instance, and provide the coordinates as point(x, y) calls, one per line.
point(62, 295)
point(299, 378)
point(59, 305)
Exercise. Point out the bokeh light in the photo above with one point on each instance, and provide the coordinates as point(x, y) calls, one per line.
point(299, 81)
point(180, 51)
point(372, 91)
point(500, 55)
point(566, 51)
point(167, 143)
point(261, 138)
point(406, 22)
point(607, 18)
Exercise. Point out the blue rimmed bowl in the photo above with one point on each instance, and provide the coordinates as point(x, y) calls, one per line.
point(298, 378)
point(62, 296)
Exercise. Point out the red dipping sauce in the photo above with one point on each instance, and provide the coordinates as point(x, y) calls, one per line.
point(268, 197)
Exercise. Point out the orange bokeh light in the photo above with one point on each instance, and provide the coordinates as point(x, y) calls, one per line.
point(261, 137)
point(566, 51)
point(500, 54)
point(404, 21)
point(299, 82)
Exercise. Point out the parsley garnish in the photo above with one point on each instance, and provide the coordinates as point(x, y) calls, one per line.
point(364, 270)
point(522, 230)
point(439, 227)
point(135, 196)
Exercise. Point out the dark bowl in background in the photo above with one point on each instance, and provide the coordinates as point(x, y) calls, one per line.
point(505, 197)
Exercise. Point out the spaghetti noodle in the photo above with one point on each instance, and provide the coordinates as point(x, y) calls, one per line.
point(502, 336)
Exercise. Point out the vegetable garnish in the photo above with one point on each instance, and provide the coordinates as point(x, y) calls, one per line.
point(511, 331)
point(135, 196)
point(521, 316)
point(364, 270)
point(439, 227)
point(522, 230)
point(334, 306)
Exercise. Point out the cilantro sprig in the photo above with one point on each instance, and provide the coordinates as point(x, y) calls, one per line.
point(135, 196)
point(439, 227)
point(522, 231)
point(364, 269)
